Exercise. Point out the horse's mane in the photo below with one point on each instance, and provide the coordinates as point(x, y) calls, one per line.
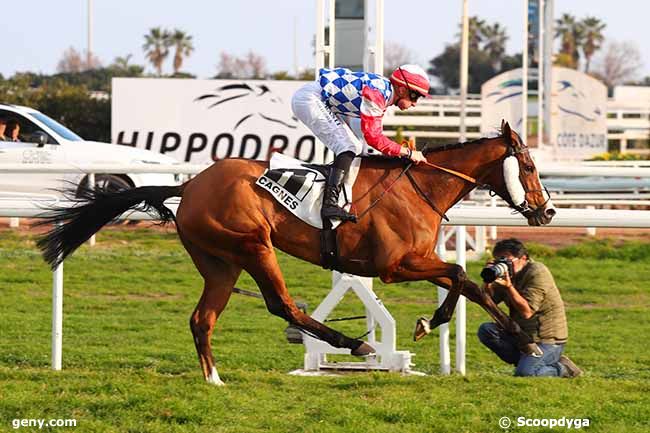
point(451, 146)
point(430, 149)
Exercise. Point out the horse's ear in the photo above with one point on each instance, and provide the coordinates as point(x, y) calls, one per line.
point(506, 132)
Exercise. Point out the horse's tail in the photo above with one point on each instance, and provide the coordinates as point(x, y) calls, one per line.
point(93, 209)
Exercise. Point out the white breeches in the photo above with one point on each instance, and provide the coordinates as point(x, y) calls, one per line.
point(339, 133)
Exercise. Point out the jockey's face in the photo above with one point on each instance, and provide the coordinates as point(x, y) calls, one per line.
point(405, 99)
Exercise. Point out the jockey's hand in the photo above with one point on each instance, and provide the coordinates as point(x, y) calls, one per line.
point(414, 155)
point(418, 157)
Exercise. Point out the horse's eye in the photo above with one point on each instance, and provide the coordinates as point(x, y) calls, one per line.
point(529, 169)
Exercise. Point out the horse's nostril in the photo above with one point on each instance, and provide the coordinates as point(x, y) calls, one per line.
point(549, 213)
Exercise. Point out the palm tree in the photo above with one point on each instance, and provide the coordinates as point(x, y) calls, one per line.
point(184, 47)
point(122, 62)
point(476, 27)
point(476, 32)
point(593, 38)
point(571, 33)
point(156, 47)
point(495, 43)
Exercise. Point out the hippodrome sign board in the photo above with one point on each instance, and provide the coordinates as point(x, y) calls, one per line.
point(578, 127)
point(199, 121)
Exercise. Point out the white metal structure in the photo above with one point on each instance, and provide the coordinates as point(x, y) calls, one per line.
point(386, 357)
point(373, 35)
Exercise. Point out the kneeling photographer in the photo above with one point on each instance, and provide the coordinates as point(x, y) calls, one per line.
point(528, 289)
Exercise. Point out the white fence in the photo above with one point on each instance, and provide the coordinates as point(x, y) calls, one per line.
point(438, 117)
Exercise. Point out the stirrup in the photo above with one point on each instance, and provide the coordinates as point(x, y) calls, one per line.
point(335, 212)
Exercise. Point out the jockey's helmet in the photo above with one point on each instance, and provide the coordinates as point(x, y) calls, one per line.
point(411, 77)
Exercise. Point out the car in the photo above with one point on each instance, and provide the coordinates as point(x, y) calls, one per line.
point(43, 141)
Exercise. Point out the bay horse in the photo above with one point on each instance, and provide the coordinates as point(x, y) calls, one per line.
point(227, 224)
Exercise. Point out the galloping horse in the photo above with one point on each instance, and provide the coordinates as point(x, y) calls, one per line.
point(227, 225)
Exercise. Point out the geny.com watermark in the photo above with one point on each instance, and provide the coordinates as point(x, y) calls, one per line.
point(43, 423)
point(564, 422)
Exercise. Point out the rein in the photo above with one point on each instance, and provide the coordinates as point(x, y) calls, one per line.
point(419, 190)
point(455, 173)
point(378, 199)
point(522, 208)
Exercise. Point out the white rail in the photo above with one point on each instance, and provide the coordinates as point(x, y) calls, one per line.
point(459, 216)
point(563, 170)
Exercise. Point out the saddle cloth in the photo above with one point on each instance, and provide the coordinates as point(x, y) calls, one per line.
point(299, 187)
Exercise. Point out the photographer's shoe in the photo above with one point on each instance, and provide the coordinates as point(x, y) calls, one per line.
point(570, 369)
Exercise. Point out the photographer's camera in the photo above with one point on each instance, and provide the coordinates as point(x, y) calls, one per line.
point(497, 269)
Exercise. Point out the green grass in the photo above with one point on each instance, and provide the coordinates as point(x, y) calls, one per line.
point(130, 365)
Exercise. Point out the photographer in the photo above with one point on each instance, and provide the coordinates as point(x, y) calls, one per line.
point(528, 288)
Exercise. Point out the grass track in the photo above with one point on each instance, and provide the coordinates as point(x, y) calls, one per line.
point(130, 366)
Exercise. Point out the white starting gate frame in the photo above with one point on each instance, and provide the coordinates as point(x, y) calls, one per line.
point(386, 356)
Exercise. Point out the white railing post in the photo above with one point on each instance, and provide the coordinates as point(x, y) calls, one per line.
point(443, 330)
point(591, 231)
point(57, 316)
point(493, 229)
point(91, 185)
point(461, 259)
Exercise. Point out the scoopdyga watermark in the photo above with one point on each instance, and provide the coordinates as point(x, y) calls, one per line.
point(564, 422)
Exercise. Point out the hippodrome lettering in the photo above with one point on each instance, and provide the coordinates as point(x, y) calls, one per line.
point(280, 193)
point(223, 145)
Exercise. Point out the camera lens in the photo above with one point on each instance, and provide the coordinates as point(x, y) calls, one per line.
point(489, 274)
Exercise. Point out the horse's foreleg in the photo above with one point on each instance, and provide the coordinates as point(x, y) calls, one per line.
point(266, 272)
point(451, 276)
point(219, 279)
point(481, 297)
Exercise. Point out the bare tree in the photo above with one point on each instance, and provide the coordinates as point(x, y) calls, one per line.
point(74, 61)
point(256, 65)
point(395, 55)
point(620, 62)
point(252, 65)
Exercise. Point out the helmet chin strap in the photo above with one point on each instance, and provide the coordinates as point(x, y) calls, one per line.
point(513, 185)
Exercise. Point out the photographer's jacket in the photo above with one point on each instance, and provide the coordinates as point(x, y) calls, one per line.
point(535, 284)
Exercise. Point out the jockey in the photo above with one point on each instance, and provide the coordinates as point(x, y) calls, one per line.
point(342, 101)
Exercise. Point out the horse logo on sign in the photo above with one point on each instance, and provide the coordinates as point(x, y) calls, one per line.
point(265, 104)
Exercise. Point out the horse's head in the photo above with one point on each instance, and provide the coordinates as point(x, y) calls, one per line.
point(518, 183)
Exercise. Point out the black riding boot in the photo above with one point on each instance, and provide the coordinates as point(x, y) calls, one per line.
point(331, 209)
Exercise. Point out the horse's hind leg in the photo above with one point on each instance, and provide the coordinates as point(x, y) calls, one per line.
point(266, 272)
point(219, 279)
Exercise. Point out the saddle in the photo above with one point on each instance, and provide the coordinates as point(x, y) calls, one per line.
point(299, 187)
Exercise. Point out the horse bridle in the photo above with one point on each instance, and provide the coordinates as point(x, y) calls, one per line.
point(524, 207)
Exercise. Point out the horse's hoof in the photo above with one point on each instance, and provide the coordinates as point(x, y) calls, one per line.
point(422, 328)
point(364, 349)
point(214, 379)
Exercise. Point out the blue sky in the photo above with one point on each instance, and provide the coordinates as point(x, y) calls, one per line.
point(37, 32)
